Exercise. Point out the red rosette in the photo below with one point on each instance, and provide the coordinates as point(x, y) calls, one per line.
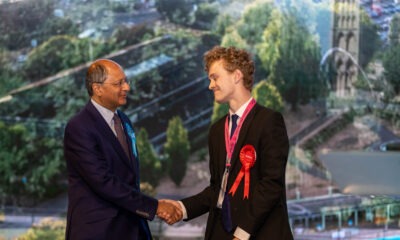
point(247, 157)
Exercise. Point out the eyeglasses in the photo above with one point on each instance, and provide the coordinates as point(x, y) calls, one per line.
point(117, 84)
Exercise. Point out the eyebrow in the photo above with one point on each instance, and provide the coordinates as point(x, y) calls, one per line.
point(212, 76)
point(122, 79)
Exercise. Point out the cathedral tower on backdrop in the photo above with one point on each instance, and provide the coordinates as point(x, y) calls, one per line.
point(345, 38)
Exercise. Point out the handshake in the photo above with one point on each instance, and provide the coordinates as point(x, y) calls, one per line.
point(169, 211)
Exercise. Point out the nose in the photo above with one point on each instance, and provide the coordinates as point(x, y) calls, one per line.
point(126, 86)
point(211, 85)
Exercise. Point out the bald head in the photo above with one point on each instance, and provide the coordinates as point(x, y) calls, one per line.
point(98, 72)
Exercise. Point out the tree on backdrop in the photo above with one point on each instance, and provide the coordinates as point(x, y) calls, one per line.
point(9, 78)
point(27, 104)
point(177, 149)
point(57, 26)
point(394, 30)
point(21, 21)
point(179, 15)
point(219, 110)
point(232, 38)
point(150, 166)
point(369, 41)
point(30, 164)
point(126, 36)
point(204, 16)
point(46, 229)
point(254, 21)
point(120, 6)
point(223, 22)
point(391, 63)
point(267, 95)
point(208, 41)
point(66, 97)
point(59, 53)
point(289, 52)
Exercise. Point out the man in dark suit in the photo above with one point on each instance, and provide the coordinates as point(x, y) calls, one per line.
point(104, 198)
point(248, 149)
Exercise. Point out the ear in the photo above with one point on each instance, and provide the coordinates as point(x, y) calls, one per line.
point(238, 75)
point(97, 90)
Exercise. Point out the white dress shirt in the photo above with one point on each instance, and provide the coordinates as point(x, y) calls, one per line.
point(106, 114)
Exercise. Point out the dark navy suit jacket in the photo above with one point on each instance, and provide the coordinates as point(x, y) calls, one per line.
point(103, 200)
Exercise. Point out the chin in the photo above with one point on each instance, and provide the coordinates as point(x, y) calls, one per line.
point(220, 101)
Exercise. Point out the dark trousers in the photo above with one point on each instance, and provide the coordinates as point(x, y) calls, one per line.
point(217, 231)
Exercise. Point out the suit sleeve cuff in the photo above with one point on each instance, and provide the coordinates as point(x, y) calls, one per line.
point(241, 234)
point(183, 210)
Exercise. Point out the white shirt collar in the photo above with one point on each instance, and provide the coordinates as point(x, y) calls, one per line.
point(107, 114)
point(241, 110)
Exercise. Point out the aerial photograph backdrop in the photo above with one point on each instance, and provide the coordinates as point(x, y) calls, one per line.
point(331, 67)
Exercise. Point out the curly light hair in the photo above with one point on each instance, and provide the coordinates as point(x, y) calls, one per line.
point(233, 58)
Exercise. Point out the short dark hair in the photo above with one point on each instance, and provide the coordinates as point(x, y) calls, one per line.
point(234, 58)
point(96, 73)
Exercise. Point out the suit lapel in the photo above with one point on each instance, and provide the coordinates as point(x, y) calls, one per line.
point(220, 144)
point(105, 130)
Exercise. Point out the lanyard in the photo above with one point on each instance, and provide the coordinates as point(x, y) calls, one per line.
point(231, 142)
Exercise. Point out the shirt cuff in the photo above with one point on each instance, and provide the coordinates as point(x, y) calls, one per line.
point(241, 234)
point(183, 210)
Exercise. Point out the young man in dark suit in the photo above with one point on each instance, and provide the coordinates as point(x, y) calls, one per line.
point(104, 198)
point(248, 149)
